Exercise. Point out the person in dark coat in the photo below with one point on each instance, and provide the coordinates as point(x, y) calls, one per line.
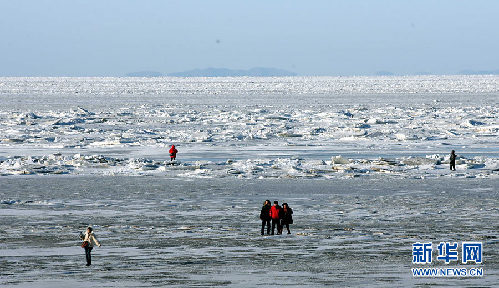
point(452, 160)
point(173, 153)
point(279, 229)
point(287, 216)
point(265, 216)
point(274, 215)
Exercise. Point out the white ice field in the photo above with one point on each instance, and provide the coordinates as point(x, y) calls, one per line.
point(297, 127)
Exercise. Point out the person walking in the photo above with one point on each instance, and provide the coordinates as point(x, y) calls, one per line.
point(88, 243)
point(452, 160)
point(265, 216)
point(173, 153)
point(287, 217)
point(274, 215)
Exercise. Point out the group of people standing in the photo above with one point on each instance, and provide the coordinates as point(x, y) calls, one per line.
point(279, 216)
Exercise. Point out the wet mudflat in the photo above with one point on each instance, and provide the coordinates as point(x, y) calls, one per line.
point(205, 232)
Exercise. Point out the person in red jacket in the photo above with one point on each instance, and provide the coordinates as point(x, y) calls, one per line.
point(173, 153)
point(274, 214)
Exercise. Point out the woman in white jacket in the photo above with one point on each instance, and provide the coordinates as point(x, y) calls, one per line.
point(88, 243)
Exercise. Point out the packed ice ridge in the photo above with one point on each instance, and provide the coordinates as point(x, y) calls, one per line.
point(430, 166)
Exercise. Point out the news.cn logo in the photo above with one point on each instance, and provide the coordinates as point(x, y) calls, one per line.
point(471, 253)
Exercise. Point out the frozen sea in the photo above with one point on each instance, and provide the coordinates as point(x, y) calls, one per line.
point(158, 232)
point(363, 161)
point(311, 127)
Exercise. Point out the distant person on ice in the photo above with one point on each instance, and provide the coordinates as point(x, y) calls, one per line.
point(88, 243)
point(173, 153)
point(452, 160)
point(274, 214)
point(265, 216)
point(287, 217)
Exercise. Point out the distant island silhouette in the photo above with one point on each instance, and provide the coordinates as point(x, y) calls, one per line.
point(145, 74)
point(384, 73)
point(274, 72)
point(224, 72)
point(479, 72)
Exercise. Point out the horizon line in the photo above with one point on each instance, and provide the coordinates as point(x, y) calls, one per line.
point(291, 76)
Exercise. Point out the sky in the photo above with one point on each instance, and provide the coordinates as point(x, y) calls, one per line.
point(329, 37)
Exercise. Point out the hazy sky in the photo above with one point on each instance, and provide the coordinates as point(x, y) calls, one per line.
point(350, 37)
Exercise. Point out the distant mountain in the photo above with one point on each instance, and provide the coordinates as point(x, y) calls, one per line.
point(224, 72)
point(144, 74)
point(384, 73)
point(479, 72)
point(423, 73)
